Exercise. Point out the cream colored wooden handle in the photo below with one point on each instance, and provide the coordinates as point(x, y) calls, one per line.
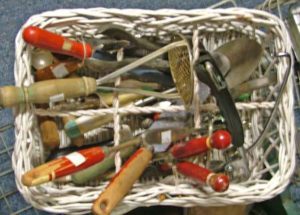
point(40, 174)
point(122, 182)
point(45, 91)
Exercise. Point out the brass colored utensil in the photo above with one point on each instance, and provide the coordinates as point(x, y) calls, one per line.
point(181, 72)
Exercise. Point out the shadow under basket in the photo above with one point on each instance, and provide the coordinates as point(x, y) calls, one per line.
point(213, 27)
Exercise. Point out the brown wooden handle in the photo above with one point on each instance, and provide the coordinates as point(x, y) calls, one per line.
point(49, 132)
point(45, 91)
point(122, 182)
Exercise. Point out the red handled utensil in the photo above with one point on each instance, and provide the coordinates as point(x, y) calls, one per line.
point(72, 163)
point(85, 158)
point(220, 139)
point(41, 38)
point(122, 182)
point(44, 39)
point(217, 181)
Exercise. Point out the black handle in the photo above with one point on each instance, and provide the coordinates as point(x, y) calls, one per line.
point(216, 81)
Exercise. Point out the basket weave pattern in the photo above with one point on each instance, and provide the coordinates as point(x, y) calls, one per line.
point(213, 27)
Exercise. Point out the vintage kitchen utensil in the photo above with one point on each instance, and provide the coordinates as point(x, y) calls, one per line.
point(42, 92)
point(57, 70)
point(212, 76)
point(180, 66)
point(95, 171)
point(122, 182)
point(45, 91)
point(58, 44)
point(77, 127)
point(71, 163)
point(235, 67)
point(105, 67)
point(218, 181)
point(105, 139)
point(208, 72)
point(220, 139)
point(140, 62)
point(85, 158)
point(237, 60)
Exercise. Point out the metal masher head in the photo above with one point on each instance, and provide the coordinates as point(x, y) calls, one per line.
point(179, 61)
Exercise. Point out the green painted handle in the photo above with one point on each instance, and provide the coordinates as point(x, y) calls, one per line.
point(95, 171)
point(77, 127)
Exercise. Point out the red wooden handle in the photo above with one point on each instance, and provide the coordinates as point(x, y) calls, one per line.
point(219, 182)
point(64, 166)
point(91, 156)
point(41, 38)
point(220, 139)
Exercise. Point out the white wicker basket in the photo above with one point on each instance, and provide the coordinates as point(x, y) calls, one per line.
point(213, 27)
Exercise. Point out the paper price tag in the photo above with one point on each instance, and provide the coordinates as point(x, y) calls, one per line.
point(76, 158)
point(60, 71)
point(57, 98)
point(166, 137)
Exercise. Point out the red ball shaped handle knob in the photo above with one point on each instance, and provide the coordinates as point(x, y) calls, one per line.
point(220, 139)
point(219, 182)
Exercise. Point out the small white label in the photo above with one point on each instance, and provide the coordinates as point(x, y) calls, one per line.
point(57, 98)
point(60, 71)
point(76, 158)
point(67, 45)
point(166, 137)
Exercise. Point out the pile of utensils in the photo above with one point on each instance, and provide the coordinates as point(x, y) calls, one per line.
point(122, 69)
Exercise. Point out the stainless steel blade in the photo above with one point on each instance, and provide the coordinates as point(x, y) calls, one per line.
point(238, 59)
